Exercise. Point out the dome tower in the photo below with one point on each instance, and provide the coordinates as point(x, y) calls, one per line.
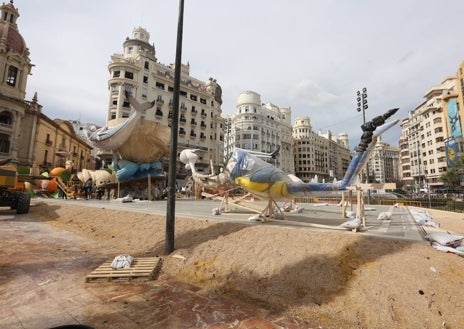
point(15, 65)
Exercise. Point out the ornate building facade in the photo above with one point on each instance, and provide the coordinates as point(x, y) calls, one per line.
point(27, 136)
point(138, 71)
point(319, 155)
point(424, 134)
point(384, 163)
point(260, 127)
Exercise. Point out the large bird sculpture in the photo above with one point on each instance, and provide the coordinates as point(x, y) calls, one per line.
point(263, 179)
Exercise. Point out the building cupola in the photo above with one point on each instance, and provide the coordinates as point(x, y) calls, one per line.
point(139, 44)
point(10, 39)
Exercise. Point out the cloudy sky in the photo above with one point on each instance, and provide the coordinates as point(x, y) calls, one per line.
point(310, 55)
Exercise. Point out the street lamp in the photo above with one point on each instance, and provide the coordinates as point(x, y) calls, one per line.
point(361, 99)
point(362, 102)
point(171, 202)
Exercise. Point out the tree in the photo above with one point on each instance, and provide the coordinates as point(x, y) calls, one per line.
point(454, 175)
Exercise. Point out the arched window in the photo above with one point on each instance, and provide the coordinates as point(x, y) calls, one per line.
point(12, 76)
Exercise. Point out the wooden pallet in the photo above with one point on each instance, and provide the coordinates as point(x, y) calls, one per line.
point(141, 268)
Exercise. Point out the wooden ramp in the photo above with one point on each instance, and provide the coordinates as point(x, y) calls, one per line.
point(66, 190)
point(141, 268)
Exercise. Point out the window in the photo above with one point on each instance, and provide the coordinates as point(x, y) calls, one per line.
point(115, 102)
point(145, 79)
point(116, 74)
point(129, 75)
point(6, 118)
point(130, 50)
point(147, 65)
point(12, 75)
point(144, 92)
point(4, 143)
point(114, 88)
point(128, 88)
point(160, 85)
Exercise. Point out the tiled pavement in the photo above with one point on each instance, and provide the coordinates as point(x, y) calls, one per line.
point(42, 285)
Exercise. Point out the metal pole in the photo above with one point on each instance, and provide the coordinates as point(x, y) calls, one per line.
point(171, 202)
point(362, 104)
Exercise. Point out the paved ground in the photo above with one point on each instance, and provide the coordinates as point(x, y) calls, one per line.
point(43, 269)
point(321, 216)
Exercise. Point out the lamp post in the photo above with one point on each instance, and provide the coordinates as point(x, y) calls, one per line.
point(361, 99)
point(171, 202)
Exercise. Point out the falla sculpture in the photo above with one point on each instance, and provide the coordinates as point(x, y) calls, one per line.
point(137, 145)
point(247, 170)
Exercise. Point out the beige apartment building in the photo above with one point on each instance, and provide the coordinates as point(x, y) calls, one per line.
point(384, 163)
point(27, 136)
point(424, 132)
point(261, 127)
point(405, 159)
point(319, 155)
point(138, 71)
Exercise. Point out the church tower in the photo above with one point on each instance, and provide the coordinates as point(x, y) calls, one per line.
point(18, 118)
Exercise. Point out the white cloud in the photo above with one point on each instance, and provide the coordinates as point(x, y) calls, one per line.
point(308, 93)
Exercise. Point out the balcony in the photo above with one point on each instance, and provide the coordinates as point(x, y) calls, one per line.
point(159, 113)
point(48, 143)
point(182, 132)
point(160, 100)
point(194, 112)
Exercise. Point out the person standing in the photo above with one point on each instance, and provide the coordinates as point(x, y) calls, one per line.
point(88, 188)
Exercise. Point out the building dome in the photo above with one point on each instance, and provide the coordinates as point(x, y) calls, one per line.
point(11, 39)
point(14, 41)
point(249, 97)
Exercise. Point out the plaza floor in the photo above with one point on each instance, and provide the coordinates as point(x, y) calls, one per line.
point(43, 270)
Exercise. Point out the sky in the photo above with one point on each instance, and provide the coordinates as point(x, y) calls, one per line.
point(309, 55)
